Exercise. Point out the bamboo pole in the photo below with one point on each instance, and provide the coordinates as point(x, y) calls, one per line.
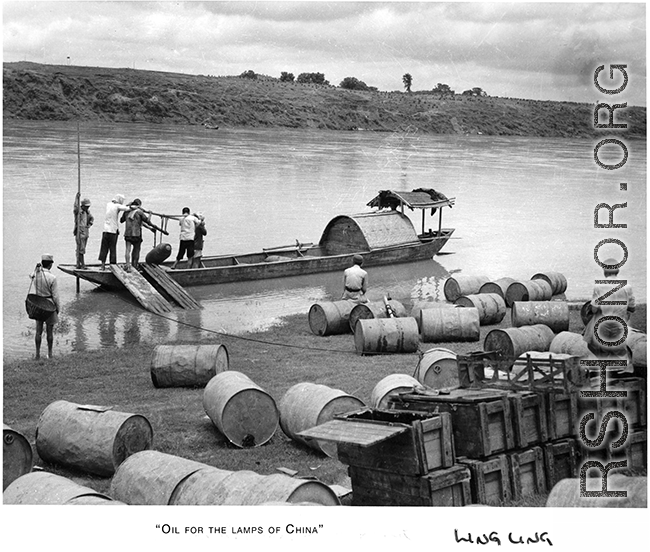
point(79, 199)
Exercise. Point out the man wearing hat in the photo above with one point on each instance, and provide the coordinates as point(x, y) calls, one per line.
point(111, 230)
point(45, 286)
point(83, 220)
point(610, 331)
point(355, 281)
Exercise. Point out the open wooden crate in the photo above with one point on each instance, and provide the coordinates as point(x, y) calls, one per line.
point(532, 371)
point(412, 443)
point(481, 418)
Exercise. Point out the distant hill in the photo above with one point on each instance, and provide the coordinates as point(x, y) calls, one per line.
point(57, 92)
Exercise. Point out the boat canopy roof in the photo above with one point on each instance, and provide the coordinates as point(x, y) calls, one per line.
point(417, 199)
point(367, 231)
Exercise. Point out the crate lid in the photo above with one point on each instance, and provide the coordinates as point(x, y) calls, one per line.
point(453, 396)
point(355, 432)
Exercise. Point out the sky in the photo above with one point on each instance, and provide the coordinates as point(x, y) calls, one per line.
point(544, 51)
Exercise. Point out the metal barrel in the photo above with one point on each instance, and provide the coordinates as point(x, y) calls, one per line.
point(438, 369)
point(94, 439)
point(422, 305)
point(528, 290)
point(374, 309)
point(42, 487)
point(242, 411)
point(569, 343)
point(566, 493)
point(187, 365)
point(386, 335)
point(150, 477)
point(498, 286)
point(437, 326)
point(17, 455)
point(556, 280)
point(491, 307)
point(330, 318)
point(463, 284)
point(306, 405)
point(511, 343)
point(391, 384)
point(554, 314)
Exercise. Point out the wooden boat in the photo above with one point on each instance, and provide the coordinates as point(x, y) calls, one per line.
point(382, 237)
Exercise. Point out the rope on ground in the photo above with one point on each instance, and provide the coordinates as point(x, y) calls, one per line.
point(243, 338)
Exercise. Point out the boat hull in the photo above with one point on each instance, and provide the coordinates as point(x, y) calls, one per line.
point(282, 267)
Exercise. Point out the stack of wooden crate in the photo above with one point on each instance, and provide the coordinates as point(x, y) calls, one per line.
point(398, 458)
point(633, 407)
point(516, 434)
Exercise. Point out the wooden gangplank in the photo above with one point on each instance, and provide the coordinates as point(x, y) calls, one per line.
point(142, 290)
point(159, 278)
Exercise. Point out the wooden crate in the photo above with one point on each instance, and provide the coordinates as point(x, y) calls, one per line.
point(426, 445)
point(527, 472)
point(490, 482)
point(633, 406)
point(529, 418)
point(635, 450)
point(481, 419)
point(532, 371)
point(445, 487)
point(561, 413)
point(560, 461)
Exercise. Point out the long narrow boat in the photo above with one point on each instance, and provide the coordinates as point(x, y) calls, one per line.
point(382, 237)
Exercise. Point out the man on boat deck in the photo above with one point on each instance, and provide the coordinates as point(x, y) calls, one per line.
point(83, 220)
point(45, 286)
point(133, 221)
point(188, 226)
point(199, 233)
point(355, 281)
point(610, 331)
point(111, 230)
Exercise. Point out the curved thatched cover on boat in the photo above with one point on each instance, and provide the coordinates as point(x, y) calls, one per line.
point(347, 234)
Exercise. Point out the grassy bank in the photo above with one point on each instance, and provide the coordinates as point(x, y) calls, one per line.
point(275, 360)
point(33, 91)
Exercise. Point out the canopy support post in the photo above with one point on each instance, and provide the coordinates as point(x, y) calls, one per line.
point(440, 222)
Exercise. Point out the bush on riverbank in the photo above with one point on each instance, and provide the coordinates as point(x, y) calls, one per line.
point(34, 91)
point(276, 360)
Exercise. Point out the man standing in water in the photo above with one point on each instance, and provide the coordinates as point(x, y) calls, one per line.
point(355, 281)
point(610, 331)
point(111, 230)
point(83, 220)
point(45, 286)
point(188, 226)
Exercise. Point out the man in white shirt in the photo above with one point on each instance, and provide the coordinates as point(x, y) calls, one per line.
point(45, 286)
point(188, 226)
point(355, 281)
point(610, 331)
point(111, 230)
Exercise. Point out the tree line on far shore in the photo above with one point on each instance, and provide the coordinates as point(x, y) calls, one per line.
point(352, 83)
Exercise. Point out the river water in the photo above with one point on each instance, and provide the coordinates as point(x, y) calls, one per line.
point(523, 205)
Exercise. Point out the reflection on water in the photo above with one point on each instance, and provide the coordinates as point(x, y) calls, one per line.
point(98, 318)
point(523, 205)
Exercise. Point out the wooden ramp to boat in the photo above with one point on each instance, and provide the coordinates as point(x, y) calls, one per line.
point(142, 290)
point(161, 280)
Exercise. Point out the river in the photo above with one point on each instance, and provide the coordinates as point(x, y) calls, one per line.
point(523, 205)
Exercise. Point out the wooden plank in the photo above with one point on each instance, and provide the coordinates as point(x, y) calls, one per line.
point(142, 290)
point(561, 461)
point(417, 451)
point(445, 487)
point(490, 482)
point(171, 287)
point(527, 472)
point(347, 431)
